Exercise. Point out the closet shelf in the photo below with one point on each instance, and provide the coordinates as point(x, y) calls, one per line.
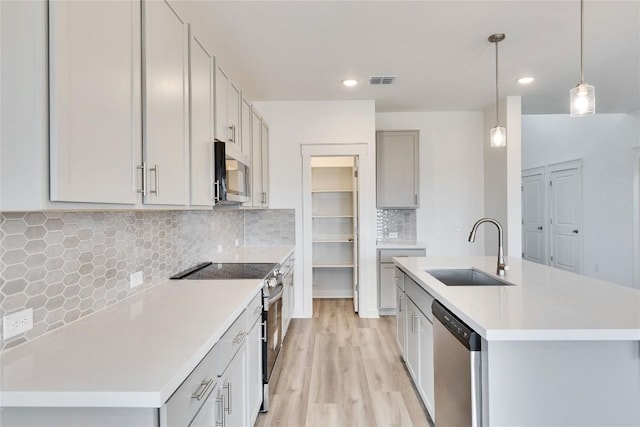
point(332, 216)
point(332, 265)
point(337, 190)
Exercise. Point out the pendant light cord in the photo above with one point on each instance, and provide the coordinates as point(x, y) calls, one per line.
point(581, 43)
point(497, 95)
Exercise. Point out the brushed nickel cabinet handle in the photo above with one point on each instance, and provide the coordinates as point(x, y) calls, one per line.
point(227, 408)
point(264, 331)
point(202, 389)
point(143, 168)
point(216, 197)
point(156, 170)
point(220, 401)
point(413, 322)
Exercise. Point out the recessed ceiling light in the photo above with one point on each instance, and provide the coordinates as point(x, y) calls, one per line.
point(525, 80)
point(349, 82)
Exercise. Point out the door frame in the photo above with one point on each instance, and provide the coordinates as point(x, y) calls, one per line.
point(540, 170)
point(558, 167)
point(366, 299)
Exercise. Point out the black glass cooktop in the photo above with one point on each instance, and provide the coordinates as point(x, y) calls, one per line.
point(217, 271)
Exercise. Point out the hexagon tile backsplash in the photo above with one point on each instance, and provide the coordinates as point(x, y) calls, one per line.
point(66, 265)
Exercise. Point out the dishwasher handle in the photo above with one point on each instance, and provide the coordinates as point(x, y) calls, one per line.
point(463, 333)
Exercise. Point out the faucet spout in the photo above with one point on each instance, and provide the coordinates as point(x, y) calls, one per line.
point(502, 266)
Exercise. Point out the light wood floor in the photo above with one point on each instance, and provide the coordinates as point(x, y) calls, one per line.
point(340, 370)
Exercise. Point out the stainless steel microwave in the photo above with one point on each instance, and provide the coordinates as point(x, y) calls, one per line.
point(231, 176)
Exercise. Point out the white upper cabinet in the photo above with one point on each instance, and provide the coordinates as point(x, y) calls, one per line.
point(201, 73)
point(397, 171)
point(259, 161)
point(166, 132)
point(264, 142)
point(94, 71)
point(245, 127)
point(227, 103)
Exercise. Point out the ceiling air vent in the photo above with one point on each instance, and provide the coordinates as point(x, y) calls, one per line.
point(381, 80)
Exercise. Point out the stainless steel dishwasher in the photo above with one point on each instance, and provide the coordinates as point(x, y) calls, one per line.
point(457, 367)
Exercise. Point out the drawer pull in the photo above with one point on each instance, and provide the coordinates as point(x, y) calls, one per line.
point(264, 331)
point(239, 337)
point(205, 385)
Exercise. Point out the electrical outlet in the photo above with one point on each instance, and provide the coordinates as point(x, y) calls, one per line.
point(393, 235)
point(136, 279)
point(17, 323)
point(459, 227)
point(219, 248)
point(237, 242)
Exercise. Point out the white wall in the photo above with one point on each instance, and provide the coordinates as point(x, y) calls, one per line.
point(451, 177)
point(321, 122)
point(502, 178)
point(605, 143)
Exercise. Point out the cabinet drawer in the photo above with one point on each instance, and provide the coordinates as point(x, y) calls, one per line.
point(230, 342)
point(183, 405)
point(254, 310)
point(419, 296)
point(386, 255)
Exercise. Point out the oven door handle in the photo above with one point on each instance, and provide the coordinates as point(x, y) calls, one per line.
point(276, 297)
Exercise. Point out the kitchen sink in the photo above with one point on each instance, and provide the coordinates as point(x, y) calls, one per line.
point(465, 277)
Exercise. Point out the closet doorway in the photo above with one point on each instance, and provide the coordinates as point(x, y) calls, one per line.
point(333, 175)
point(334, 235)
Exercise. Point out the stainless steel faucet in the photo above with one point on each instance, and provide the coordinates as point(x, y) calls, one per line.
point(502, 267)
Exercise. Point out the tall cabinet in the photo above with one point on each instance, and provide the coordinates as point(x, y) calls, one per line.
point(334, 216)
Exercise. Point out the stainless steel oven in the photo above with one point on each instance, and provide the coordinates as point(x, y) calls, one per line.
point(272, 339)
point(272, 293)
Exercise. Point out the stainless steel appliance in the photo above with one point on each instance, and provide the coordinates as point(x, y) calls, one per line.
point(271, 309)
point(231, 174)
point(457, 371)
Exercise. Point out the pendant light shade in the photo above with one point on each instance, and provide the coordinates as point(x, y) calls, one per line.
point(582, 98)
point(498, 134)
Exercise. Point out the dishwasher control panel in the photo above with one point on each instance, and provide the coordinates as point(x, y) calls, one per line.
point(467, 336)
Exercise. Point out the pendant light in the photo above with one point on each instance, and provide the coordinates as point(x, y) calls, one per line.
point(498, 134)
point(582, 98)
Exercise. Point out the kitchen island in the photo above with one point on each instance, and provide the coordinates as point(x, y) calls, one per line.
point(557, 348)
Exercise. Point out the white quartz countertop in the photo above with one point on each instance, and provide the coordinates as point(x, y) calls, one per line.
point(257, 254)
point(546, 304)
point(132, 354)
point(401, 244)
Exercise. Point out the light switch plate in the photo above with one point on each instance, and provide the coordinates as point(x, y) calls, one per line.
point(17, 323)
point(136, 279)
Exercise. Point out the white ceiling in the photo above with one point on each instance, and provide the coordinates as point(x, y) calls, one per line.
point(301, 50)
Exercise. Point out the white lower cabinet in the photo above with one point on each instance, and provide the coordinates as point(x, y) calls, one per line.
point(232, 393)
point(387, 278)
point(401, 321)
point(254, 371)
point(415, 331)
point(209, 414)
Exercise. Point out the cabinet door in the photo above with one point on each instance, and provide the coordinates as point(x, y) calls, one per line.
point(401, 321)
point(166, 104)
point(387, 291)
point(265, 163)
point(425, 384)
point(397, 172)
point(221, 97)
point(413, 341)
point(201, 72)
point(254, 372)
point(234, 390)
point(245, 128)
point(94, 84)
point(257, 195)
point(233, 113)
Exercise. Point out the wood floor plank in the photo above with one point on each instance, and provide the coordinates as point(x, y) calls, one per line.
point(341, 370)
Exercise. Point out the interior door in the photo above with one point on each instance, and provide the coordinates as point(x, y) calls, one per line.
point(566, 222)
point(356, 214)
point(533, 233)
